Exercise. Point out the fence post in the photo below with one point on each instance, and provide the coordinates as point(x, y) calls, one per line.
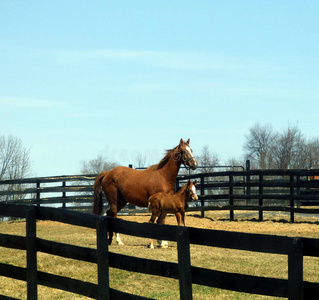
point(202, 193)
point(38, 193)
point(231, 199)
point(31, 246)
point(176, 185)
point(261, 180)
point(248, 181)
point(298, 190)
point(295, 270)
point(292, 205)
point(184, 263)
point(63, 194)
point(102, 259)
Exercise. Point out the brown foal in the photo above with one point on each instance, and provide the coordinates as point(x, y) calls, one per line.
point(161, 204)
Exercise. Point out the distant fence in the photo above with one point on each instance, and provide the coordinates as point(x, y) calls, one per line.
point(288, 190)
point(292, 191)
point(295, 248)
point(58, 190)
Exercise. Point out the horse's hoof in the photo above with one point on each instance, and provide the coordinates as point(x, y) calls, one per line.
point(163, 244)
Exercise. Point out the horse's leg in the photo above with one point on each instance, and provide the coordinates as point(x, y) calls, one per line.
point(178, 216)
point(120, 204)
point(164, 244)
point(153, 207)
point(161, 220)
point(111, 194)
point(183, 217)
point(111, 213)
point(152, 219)
point(118, 239)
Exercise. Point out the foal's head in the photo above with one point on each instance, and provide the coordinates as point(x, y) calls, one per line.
point(191, 190)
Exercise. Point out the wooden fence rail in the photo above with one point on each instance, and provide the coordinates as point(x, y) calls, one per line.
point(258, 190)
point(295, 248)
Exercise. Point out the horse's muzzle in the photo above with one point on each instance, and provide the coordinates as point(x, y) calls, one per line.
point(193, 164)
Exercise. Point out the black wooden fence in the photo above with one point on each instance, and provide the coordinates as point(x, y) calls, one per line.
point(60, 190)
point(289, 191)
point(295, 248)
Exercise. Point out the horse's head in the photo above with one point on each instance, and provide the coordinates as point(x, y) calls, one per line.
point(186, 155)
point(191, 190)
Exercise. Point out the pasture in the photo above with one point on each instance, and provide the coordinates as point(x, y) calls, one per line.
point(245, 262)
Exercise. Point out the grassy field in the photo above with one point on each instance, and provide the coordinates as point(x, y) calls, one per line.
point(245, 262)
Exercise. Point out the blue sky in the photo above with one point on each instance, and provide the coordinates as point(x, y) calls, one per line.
point(121, 78)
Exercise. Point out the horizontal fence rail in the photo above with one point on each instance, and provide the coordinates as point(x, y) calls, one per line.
point(292, 191)
point(295, 248)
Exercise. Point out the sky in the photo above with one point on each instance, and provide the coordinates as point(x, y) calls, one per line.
point(122, 78)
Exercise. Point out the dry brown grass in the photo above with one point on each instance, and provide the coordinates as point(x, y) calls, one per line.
point(245, 262)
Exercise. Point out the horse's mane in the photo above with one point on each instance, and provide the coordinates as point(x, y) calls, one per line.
point(183, 189)
point(163, 162)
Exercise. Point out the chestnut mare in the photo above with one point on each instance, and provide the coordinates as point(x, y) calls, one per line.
point(161, 204)
point(122, 184)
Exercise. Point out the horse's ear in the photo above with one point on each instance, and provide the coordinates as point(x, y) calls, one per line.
point(189, 182)
point(188, 141)
point(194, 182)
point(180, 143)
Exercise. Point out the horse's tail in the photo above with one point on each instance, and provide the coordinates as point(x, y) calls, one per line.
point(97, 197)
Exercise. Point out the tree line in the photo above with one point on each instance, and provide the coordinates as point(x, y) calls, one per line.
point(265, 147)
point(286, 149)
point(14, 158)
point(14, 163)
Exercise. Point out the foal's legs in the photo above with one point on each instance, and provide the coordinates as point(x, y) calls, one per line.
point(153, 216)
point(179, 218)
point(155, 213)
point(183, 217)
point(161, 220)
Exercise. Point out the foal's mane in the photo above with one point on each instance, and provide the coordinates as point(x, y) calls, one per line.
point(163, 162)
point(183, 188)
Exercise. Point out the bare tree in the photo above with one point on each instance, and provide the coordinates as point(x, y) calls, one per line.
point(207, 160)
point(140, 160)
point(312, 153)
point(235, 164)
point(306, 154)
point(97, 165)
point(14, 158)
point(14, 162)
point(287, 148)
point(258, 146)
